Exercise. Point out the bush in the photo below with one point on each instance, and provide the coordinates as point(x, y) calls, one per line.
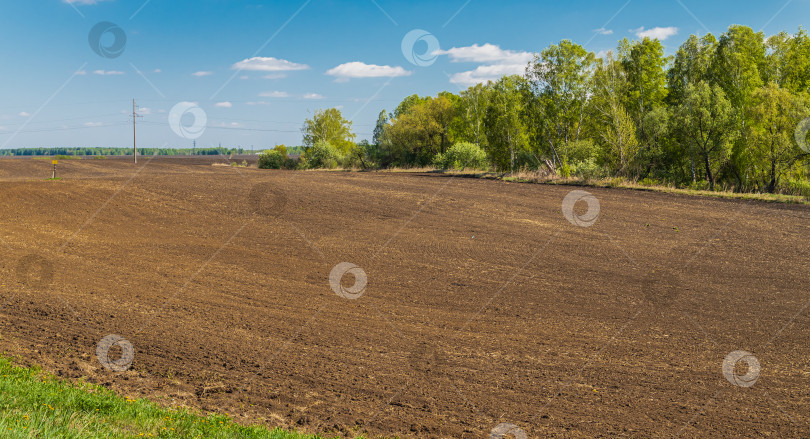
point(275, 159)
point(323, 155)
point(272, 159)
point(588, 170)
point(461, 156)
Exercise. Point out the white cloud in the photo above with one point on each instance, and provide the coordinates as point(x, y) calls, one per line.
point(243, 77)
point(274, 76)
point(107, 72)
point(144, 111)
point(93, 124)
point(81, 72)
point(274, 94)
point(496, 62)
point(25, 114)
point(157, 71)
point(487, 73)
point(202, 73)
point(268, 64)
point(488, 53)
point(659, 33)
point(312, 96)
point(356, 69)
point(603, 31)
point(225, 104)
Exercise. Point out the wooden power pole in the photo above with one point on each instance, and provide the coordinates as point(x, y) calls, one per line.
point(135, 117)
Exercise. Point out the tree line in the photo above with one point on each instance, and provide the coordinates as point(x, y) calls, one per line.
point(723, 111)
point(113, 151)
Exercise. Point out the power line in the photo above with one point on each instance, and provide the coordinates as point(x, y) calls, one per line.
point(65, 128)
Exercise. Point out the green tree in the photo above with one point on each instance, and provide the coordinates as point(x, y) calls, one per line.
point(422, 127)
point(706, 123)
point(738, 68)
point(692, 64)
point(560, 77)
point(329, 126)
point(474, 102)
point(774, 112)
point(506, 133)
point(614, 126)
point(379, 128)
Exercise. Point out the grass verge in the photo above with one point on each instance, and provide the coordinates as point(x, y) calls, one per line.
point(34, 404)
point(528, 177)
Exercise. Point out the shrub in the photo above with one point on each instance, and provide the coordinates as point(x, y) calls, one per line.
point(587, 170)
point(461, 156)
point(323, 155)
point(275, 158)
point(272, 159)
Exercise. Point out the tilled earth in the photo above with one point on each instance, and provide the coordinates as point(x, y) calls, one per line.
point(484, 305)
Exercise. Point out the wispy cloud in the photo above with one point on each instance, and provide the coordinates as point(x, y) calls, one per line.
point(202, 73)
point(268, 64)
point(357, 69)
point(312, 96)
point(603, 31)
point(24, 114)
point(107, 72)
point(225, 104)
point(659, 33)
point(274, 94)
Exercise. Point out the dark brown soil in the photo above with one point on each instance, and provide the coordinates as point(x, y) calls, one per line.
point(484, 305)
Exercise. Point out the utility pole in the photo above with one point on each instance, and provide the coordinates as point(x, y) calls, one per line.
point(135, 116)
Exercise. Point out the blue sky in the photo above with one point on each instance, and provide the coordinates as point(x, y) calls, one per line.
point(257, 69)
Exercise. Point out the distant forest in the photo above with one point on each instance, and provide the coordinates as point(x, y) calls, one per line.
point(118, 151)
